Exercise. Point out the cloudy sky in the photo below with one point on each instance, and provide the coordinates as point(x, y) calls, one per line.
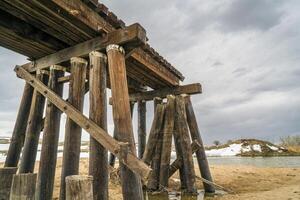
point(245, 53)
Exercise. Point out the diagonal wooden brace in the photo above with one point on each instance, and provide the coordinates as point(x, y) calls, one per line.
point(92, 128)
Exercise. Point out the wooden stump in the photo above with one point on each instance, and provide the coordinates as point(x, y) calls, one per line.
point(33, 129)
point(167, 142)
point(71, 155)
point(98, 163)
point(131, 183)
point(48, 159)
point(187, 172)
point(112, 157)
point(141, 128)
point(201, 156)
point(6, 177)
point(23, 187)
point(79, 187)
point(18, 135)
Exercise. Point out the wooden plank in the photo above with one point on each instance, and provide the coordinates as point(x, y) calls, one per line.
point(6, 177)
point(33, 129)
point(98, 163)
point(131, 184)
point(79, 187)
point(92, 128)
point(47, 166)
point(72, 142)
point(201, 156)
point(18, 135)
point(141, 128)
point(167, 142)
point(133, 35)
point(23, 187)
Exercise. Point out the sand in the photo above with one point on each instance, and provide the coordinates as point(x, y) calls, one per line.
point(245, 181)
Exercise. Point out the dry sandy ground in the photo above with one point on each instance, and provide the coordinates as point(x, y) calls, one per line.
point(246, 182)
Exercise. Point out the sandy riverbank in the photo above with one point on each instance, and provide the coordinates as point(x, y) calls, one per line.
point(246, 182)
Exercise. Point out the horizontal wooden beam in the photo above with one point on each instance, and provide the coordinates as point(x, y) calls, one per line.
point(132, 36)
point(92, 128)
point(190, 89)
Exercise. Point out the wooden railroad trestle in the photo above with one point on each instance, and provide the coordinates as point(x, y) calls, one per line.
point(94, 66)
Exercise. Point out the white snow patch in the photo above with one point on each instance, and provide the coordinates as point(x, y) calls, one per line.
point(257, 147)
point(232, 150)
point(273, 147)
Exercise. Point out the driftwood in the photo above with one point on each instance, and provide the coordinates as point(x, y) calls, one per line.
point(18, 135)
point(98, 164)
point(6, 177)
point(33, 129)
point(47, 166)
point(72, 143)
point(131, 184)
point(79, 187)
point(23, 187)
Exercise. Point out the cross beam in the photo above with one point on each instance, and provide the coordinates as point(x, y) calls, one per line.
point(92, 128)
point(131, 37)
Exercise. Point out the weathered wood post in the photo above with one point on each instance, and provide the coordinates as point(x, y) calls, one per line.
point(131, 183)
point(47, 165)
point(98, 163)
point(33, 129)
point(6, 177)
point(167, 142)
point(141, 127)
point(112, 157)
point(71, 155)
point(188, 170)
point(23, 187)
point(200, 153)
point(79, 187)
point(18, 135)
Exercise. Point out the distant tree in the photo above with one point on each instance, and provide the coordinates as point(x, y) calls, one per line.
point(290, 141)
point(217, 142)
point(229, 141)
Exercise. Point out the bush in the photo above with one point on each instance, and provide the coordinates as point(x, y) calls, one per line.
point(290, 141)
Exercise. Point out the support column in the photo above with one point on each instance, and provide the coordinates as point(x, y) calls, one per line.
point(6, 178)
point(33, 129)
point(79, 187)
point(200, 153)
point(71, 155)
point(23, 187)
point(141, 128)
point(18, 135)
point(98, 163)
point(167, 142)
point(48, 159)
point(131, 183)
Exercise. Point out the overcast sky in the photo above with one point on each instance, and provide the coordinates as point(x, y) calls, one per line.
point(245, 53)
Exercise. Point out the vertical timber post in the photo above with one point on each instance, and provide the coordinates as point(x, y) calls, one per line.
point(98, 163)
point(6, 178)
point(141, 128)
point(79, 188)
point(112, 157)
point(200, 153)
point(18, 135)
point(167, 142)
point(23, 187)
point(131, 183)
point(47, 165)
point(33, 129)
point(71, 155)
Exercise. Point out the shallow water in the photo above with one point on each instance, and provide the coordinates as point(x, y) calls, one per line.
point(285, 161)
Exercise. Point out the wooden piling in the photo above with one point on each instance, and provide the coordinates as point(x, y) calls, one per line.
point(187, 169)
point(98, 163)
point(23, 187)
point(167, 142)
point(6, 177)
point(72, 143)
point(18, 135)
point(51, 130)
point(141, 128)
point(112, 157)
point(79, 187)
point(195, 134)
point(33, 129)
point(131, 183)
